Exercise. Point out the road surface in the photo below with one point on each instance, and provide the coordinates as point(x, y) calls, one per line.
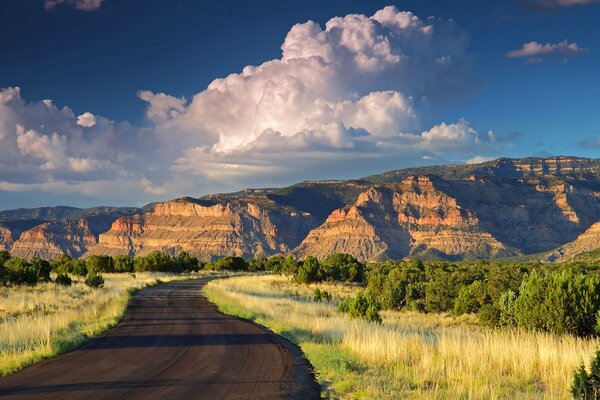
point(172, 344)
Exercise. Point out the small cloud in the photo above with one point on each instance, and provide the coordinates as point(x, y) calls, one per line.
point(590, 143)
point(534, 51)
point(87, 120)
point(534, 60)
point(81, 5)
point(554, 4)
point(479, 159)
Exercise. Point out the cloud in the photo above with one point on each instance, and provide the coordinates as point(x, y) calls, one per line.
point(81, 5)
point(553, 4)
point(87, 120)
point(479, 159)
point(352, 97)
point(534, 51)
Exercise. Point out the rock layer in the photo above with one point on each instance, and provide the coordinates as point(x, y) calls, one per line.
point(235, 228)
point(498, 208)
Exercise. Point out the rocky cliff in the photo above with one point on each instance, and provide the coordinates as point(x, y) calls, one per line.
point(412, 218)
point(587, 242)
point(499, 208)
point(233, 228)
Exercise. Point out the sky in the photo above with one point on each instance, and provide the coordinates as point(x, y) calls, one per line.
point(112, 102)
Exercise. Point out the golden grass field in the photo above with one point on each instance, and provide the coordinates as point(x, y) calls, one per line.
point(40, 321)
point(410, 355)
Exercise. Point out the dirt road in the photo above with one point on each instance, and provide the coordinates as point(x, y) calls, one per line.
point(172, 344)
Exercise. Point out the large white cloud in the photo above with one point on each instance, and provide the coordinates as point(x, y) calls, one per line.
point(343, 100)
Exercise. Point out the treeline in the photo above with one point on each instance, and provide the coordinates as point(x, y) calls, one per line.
point(560, 298)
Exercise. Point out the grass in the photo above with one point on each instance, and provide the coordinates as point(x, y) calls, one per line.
point(409, 355)
point(39, 322)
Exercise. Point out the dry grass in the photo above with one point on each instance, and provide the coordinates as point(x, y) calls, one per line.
point(37, 322)
point(410, 355)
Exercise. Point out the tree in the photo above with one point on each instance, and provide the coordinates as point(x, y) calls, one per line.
point(309, 271)
point(342, 267)
point(363, 305)
point(188, 262)
point(470, 298)
point(559, 302)
point(157, 262)
point(63, 280)
point(124, 264)
point(94, 280)
point(97, 264)
point(42, 268)
point(228, 263)
point(20, 271)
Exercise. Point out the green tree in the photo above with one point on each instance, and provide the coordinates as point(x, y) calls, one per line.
point(124, 264)
point(20, 271)
point(470, 298)
point(42, 268)
point(94, 280)
point(309, 271)
point(97, 264)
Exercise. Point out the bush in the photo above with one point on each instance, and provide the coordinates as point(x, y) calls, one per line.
point(560, 302)
point(124, 264)
point(470, 298)
point(343, 268)
point(321, 295)
point(42, 268)
point(364, 305)
point(586, 386)
point(19, 272)
point(308, 271)
point(228, 263)
point(97, 264)
point(188, 262)
point(63, 280)
point(94, 280)
point(157, 262)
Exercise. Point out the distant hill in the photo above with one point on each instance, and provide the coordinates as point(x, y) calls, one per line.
point(515, 208)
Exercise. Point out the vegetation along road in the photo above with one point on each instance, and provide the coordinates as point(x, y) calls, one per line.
point(172, 343)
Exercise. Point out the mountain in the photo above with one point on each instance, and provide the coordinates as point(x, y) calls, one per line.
point(502, 208)
point(48, 232)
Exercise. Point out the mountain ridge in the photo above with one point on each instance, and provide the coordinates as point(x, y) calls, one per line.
point(501, 208)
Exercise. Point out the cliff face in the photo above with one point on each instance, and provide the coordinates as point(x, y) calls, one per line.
point(6, 237)
point(235, 228)
point(413, 218)
point(51, 239)
point(498, 208)
point(586, 242)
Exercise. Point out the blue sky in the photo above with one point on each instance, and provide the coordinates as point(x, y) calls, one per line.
point(96, 56)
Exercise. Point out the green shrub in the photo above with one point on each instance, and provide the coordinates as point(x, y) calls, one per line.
point(308, 271)
point(94, 280)
point(321, 295)
point(63, 280)
point(586, 386)
point(19, 272)
point(124, 264)
point(561, 302)
point(97, 264)
point(364, 305)
point(228, 263)
point(157, 262)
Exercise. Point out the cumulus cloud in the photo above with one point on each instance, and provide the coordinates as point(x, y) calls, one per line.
point(87, 120)
point(553, 4)
point(81, 5)
point(345, 99)
point(535, 51)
